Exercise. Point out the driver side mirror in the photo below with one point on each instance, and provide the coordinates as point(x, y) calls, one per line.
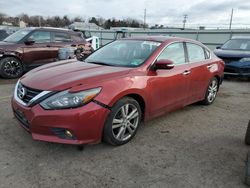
point(29, 41)
point(218, 47)
point(163, 64)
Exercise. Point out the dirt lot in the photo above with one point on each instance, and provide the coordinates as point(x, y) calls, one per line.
point(198, 146)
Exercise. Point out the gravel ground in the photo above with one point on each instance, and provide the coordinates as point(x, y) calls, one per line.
point(197, 146)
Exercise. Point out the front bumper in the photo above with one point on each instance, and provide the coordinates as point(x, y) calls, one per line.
point(85, 123)
point(236, 71)
point(237, 74)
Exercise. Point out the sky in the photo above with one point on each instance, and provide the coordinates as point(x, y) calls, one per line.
point(212, 13)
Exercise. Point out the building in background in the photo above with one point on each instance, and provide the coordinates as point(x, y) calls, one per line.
point(84, 26)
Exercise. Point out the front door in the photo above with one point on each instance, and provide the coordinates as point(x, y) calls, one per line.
point(169, 88)
point(38, 53)
point(60, 40)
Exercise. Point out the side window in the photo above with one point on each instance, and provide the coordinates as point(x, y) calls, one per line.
point(61, 37)
point(195, 52)
point(175, 53)
point(207, 54)
point(40, 36)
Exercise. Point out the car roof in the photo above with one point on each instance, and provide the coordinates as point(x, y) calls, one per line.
point(151, 38)
point(241, 37)
point(162, 39)
point(50, 29)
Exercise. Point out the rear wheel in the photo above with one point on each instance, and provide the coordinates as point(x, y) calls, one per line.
point(11, 67)
point(122, 122)
point(211, 92)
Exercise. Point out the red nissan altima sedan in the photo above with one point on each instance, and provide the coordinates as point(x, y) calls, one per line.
point(108, 95)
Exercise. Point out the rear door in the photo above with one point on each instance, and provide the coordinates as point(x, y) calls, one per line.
point(60, 40)
point(169, 88)
point(199, 64)
point(39, 52)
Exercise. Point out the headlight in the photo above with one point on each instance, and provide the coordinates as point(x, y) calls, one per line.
point(245, 59)
point(64, 99)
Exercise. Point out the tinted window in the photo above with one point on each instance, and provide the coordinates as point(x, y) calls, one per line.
point(195, 52)
point(175, 53)
point(237, 44)
point(40, 36)
point(61, 37)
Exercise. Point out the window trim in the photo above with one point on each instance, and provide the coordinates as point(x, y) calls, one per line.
point(208, 54)
point(155, 59)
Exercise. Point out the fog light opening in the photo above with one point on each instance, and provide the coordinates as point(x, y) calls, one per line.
point(69, 134)
point(63, 133)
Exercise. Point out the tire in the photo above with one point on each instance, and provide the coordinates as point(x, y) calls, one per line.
point(11, 67)
point(211, 92)
point(119, 127)
point(247, 170)
point(247, 136)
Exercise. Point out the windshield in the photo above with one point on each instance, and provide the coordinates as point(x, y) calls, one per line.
point(237, 44)
point(17, 36)
point(123, 53)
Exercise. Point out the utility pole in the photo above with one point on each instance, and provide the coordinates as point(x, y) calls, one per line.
point(185, 16)
point(231, 19)
point(39, 21)
point(145, 16)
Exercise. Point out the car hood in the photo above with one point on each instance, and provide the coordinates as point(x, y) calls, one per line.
point(231, 53)
point(67, 74)
point(5, 46)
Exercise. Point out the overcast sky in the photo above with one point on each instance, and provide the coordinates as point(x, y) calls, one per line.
point(213, 13)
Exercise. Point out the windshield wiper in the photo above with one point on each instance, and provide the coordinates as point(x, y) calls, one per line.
point(99, 63)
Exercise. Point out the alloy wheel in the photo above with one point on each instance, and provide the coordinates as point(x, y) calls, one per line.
point(12, 68)
point(212, 90)
point(125, 122)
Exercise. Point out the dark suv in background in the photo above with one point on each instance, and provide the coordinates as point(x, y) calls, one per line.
point(236, 55)
point(31, 47)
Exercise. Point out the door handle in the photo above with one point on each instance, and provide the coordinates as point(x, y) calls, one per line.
point(73, 45)
point(48, 45)
point(209, 66)
point(186, 72)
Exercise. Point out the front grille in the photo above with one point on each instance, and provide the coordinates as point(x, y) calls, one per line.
point(22, 119)
point(245, 70)
point(230, 70)
point(26, 94)
point(237, 70)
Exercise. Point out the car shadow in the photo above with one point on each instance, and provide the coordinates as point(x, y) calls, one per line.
point(7, 81)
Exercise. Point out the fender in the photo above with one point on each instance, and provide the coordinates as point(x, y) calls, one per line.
point(11, 54)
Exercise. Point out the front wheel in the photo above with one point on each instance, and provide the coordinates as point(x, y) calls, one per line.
point(211, 92)
point(247, 135)
point(11, 67)
point(122, 122)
